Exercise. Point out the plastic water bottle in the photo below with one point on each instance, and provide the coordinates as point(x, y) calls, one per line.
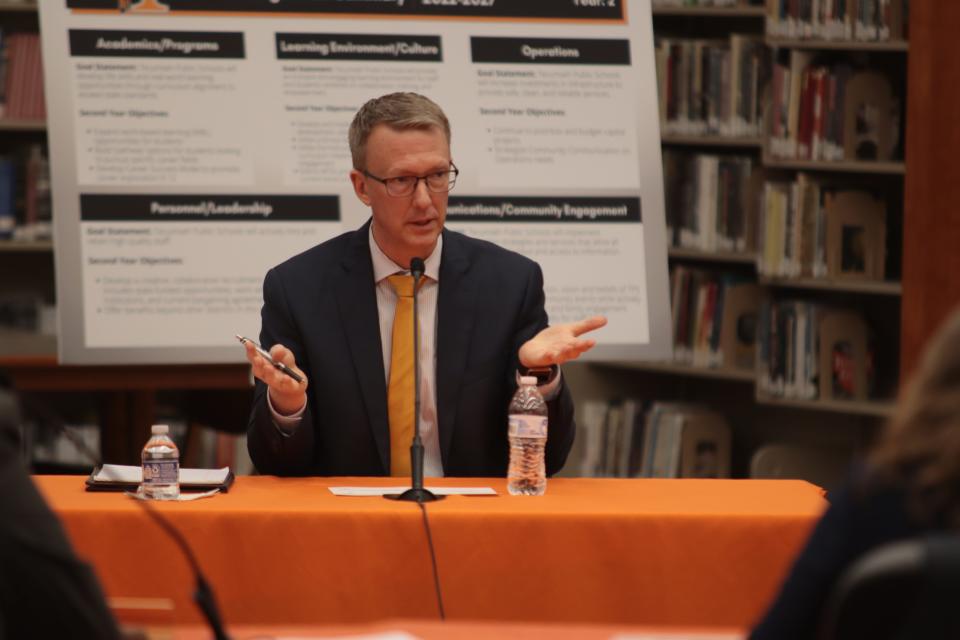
point(527, 430)
point(161, 465)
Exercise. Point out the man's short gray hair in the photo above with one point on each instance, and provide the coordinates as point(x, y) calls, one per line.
point(402, 110)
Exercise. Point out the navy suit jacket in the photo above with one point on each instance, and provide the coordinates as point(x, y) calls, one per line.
point(322, 305)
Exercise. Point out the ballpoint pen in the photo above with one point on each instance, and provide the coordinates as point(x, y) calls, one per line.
point(279, 366)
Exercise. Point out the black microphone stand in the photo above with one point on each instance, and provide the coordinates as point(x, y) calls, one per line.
point(203, 595)
point(416, 492)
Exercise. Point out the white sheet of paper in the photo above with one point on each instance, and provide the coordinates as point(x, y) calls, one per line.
point(440, 491)
point(183, 497)
point(133, 474)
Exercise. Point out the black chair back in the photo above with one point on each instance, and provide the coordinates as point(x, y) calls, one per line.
point(901, 591)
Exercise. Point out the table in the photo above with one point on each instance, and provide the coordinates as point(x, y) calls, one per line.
point(705, 553)
point(436, 630)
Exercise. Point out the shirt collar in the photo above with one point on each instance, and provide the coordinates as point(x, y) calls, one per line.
point(384, 266)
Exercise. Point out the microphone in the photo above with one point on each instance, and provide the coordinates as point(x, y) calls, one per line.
point(416, 492)
point(203, 596)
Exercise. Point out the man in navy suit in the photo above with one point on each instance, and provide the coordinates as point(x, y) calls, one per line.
point(328, 315)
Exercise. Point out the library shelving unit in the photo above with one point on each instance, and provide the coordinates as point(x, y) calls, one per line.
point(758, 417)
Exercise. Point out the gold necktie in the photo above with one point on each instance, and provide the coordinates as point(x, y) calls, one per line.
point(400, 393)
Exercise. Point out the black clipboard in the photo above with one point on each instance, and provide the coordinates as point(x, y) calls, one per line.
point(92, 484)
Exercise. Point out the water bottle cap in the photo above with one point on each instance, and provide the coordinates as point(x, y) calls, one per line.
point(159, 429)
point(528, 380)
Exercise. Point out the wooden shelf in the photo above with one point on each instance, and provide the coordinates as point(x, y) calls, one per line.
point(740, 11)
point(13, 124)
point(846, 166)
point(711, 141)
point(712, 256)
point(18, 7)
point(19, 347)
point(825, 284)
point(878, 408)
point(42, 372)
point(35, 246)
point(672, 368)
point(890, 46)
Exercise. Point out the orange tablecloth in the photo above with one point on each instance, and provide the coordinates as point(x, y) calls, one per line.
point(286, 551)
point(456, 630)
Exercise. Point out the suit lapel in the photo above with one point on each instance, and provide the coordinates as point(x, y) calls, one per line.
point(357, 303)
point(455, 321)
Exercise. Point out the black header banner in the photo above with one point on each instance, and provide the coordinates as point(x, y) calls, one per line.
point(353, 46)
point(156, 44)
point(566, 9)
point(212, 208)
point(550, 51)
point(526, 209)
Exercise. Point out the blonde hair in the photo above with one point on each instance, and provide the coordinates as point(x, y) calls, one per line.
point(920, 447)
point(402, 110)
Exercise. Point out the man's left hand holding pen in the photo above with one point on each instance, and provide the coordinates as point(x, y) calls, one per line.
point(287, 396)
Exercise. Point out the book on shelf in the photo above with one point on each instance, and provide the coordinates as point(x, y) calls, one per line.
point(811, 230)
point(714, 318)
point(8, 197)
point(857, 20)
point(627, 438)
point(711, 87)
point(711, 200)
point(831, 112)
point(685, 441)
point(813, 351)
point(610, 432)
point(22, 76)
point(50, 444)
point(25, 200)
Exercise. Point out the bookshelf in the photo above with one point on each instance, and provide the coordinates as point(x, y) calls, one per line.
point(18, 7)
point(26, 259)
point(26, 246)
point(897, 46)
point(873, 408)
point(730, 257)
point(839, 286)
point(839, 166)
point(758, 417)
point(11, 124)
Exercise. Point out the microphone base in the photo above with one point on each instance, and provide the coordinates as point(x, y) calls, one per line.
point(414, 495)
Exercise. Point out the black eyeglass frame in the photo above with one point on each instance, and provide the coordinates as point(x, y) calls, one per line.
point(452, 173)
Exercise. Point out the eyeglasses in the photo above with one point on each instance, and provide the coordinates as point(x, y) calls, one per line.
point(439, 182)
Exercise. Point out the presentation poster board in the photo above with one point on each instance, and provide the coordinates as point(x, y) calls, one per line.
point(197, 143)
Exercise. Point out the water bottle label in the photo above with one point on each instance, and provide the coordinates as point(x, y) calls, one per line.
point(527, 426)
point(161, 472)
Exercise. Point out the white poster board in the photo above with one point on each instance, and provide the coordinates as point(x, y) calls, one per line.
point(197, 143)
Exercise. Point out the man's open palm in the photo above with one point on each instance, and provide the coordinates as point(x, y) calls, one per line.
point(559, 343)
